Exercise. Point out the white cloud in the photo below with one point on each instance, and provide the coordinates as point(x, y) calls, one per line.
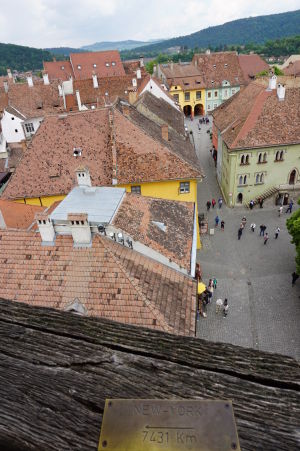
point(51, 23)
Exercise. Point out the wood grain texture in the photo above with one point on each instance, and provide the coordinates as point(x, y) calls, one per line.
point(57, 369)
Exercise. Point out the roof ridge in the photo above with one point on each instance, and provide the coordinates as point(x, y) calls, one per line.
point(159, 316)
point(253, 115)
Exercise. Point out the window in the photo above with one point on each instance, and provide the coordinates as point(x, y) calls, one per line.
point(247, 159)
point(29, 128)
point(279, 155)
point(77, 153)
point(225, 65)
point(215, 105)
point(259, 178)
point(259, 158)
point(216, 93)
point(113, 63)
point(94, 65)
point(265, 157)
point(175, 87)
point(62, 67)
point(225, 93)
point(208, 107)
point(12, 118)
point(209, 94)
point(184, 187)
point(187, 96)
point(243, 180)
point(107, 64)
point(176, 97)
point(16, 130)
point(243, 159)
point(136, 189)
point(233, 91)
point(214, 65)
point(198, 95)
point(79, 67)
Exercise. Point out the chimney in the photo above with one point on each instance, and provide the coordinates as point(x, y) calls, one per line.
point(83, 177)
point(78, 100)
point(60, 92)
point(138, 74)
point(80, 229)
point(172, 65)
point(280, 92)
point(46, 228)
point(165, 132)
point(272, 83)
point(196, 62)
point(95, 81)
point(5, 84)
point(134, 82)
point(125, 109)
point(46, 79)
point(141, 61)
point(207, 52)
point(132, 97)
point(30, 81)
point(9, 73)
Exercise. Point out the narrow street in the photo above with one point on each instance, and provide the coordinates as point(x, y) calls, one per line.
point(264, 308)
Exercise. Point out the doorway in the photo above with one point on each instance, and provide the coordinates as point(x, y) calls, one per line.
point(187, 109)
point(198, 110)
point(292, 178)
point(239, 198)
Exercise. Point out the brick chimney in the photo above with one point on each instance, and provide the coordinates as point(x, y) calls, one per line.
point(165, 132)
point(80, 229)
point(46, 228)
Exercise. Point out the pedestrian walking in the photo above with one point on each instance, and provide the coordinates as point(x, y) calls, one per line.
point(251, 204)
point(215, 282)
point(213, 203)
point(290, 207)
point(208, 204)
point(261, 227)
point(222, 225)
point(264, 229)
point(210, 293)
point(294, 278)
point(225, 308)
point(280, 210)
point(252, 226)
point(240, 232)
point(210, 283)
point(244, 220)
point(219, 304)
point(217, 220)
point(261, 202)
point(277, 233)
point(220, 202)
point(266, 237)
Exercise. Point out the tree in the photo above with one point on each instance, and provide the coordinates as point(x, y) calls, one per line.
point(293, 226)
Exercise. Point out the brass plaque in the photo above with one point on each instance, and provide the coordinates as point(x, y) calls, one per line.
point(164, 425)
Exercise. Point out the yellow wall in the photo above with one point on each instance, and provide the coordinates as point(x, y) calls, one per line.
point(45, 201)
point(193, 101)
point(169, 190)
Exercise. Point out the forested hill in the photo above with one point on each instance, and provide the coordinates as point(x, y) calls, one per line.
point(18, 57)
point(253, 29)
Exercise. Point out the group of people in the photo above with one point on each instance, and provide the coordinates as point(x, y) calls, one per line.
point(262, 229)
point(206, 299)
point(213, 202)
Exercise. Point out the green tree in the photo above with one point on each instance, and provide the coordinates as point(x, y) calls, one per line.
point(293, 226)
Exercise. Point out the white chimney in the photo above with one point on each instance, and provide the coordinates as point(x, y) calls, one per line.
point(207, 52)
point(138, 74)
point(83, 177)
point(5, 84)
point(141, 61)
point(280, 92)
point(9, 73)
point(46, 79)
point(134, 82)
point(78, 100)
point(60, 92)
point(80, 228)
point(272, 83)
point(154, 69)
point(46, 228)
point(95, 81)
point(30, 81)
point(172, 65)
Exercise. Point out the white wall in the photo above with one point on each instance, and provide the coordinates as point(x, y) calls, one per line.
point(3, 152)
point(158, 92)
point(12, 128)
point(36, 122)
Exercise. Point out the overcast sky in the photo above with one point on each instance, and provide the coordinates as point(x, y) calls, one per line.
point(56, 23)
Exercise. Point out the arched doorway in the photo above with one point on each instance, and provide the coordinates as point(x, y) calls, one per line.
point(187, 109)
point(292, 179)
point(239, 198)
point(198, 110)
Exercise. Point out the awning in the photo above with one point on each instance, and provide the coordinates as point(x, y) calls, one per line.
point(201, 287)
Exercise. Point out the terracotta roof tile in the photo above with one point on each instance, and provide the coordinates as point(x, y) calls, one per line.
point(107, 279)
point(252, 65)
point(103, 64)
point(18, 216)
point(137, 216)
point(58, 70)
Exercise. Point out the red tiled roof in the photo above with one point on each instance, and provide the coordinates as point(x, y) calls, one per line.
point(252, 65)
point(109, 280)
point(109, 88)
point(58, 70)
point(255, 117)
point(96, 62)
point(18, 216)
point(136, 215)
point(293, 69)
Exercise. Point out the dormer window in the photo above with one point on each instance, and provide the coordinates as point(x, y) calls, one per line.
point(214, 66)
point(77, 151)
point(107, 64)
point(79, 67)
point(62, 67)
point(225, 65)
point(113, 63)
point(94, 65)
point(212, 82)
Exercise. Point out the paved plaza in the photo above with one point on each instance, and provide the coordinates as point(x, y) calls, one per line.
point(264, 308)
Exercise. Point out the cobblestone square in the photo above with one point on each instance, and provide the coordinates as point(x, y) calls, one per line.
point(264, 308)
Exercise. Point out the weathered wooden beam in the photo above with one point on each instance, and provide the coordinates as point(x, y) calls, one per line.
point(57, 369)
